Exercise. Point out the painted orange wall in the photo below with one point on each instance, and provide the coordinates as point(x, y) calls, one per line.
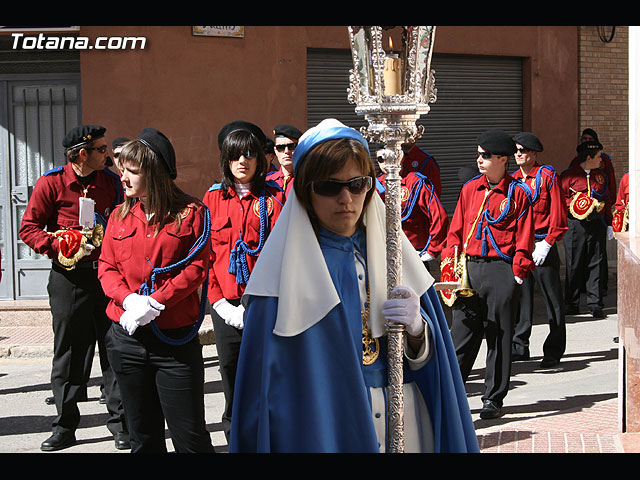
point(189, 86)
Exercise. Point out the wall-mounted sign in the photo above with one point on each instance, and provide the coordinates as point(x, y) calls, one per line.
point(237, 32)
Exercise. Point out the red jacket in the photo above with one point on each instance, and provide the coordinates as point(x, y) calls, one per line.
point(230, 217)
point(286, 183)
point(513, 234)
point(623, 193)
point(549, 207)
point(574, 180)
point(131, 250)
point(607, 167)
point(427, 222)
point(54, 205)
point(417, 160)
point(622, 204)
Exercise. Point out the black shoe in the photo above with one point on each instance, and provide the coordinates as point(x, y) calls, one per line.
point(572, 310)
point(52, 400)
point(58, 441)
point(122, 441)
point(490, 410)
point(598, 313)
point(520, 357)
point(549, 363)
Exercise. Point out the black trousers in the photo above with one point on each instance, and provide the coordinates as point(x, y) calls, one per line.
point(547, 276)
point(78, 309)
point(228, 341)
point(490, 313)
point(160, 382)
point(584, 245)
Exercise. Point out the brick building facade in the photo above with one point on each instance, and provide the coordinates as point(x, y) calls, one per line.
point(603, 82)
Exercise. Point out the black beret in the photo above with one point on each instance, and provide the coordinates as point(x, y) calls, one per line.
point(118, 142)
point(528, 141)
point(497, 142)
point(161, 146)
point(591, 132)
point(288, 131)
point(591, 146)
point(241, 125)
point(82, 135)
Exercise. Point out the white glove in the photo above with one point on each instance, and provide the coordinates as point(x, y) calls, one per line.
point(232, 315)
point(142, 308)
point(518, 280)
point(404, 310)
point(609, 232)
point(128, 322)
point(426, 257)
point(88, 249)
point(540, 252)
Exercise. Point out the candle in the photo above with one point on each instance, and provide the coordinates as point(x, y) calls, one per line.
point(86, 215)
point(392, 75)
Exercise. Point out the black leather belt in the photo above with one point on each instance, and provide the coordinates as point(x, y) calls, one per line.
point(91, 264)
point(471, 258)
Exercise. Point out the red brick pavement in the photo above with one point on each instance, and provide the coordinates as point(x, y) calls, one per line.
point(592, 430)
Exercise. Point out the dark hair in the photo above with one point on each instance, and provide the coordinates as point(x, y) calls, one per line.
point(73, 153)
point(164, 199)
point(324, 160)
point(234, 145)
point(582, 155)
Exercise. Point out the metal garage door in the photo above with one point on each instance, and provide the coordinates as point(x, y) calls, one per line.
point(475, 93)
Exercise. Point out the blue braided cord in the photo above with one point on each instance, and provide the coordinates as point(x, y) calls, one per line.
point(274, 197)
point(411, 201)
point(598, 195)
point(238, 258)
point(490, 221)
point(195, 250)
point(427, 245)
point(497, 248)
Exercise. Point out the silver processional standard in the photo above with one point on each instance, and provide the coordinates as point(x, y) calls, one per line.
point(392, 89)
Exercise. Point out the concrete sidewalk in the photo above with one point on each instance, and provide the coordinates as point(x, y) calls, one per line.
point(572, 408)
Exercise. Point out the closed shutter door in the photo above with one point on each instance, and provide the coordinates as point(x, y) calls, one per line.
point(475, 93)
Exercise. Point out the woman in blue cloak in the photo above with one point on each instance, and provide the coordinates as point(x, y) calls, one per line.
point(312, 370)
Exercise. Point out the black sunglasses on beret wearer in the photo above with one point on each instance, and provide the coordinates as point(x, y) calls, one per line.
point(523, 150)
point(101, 149)
point(282, 146)
point(331, 188)
point(485, 155)
point(246, 154)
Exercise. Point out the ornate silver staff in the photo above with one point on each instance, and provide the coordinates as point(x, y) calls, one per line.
point(392, 89)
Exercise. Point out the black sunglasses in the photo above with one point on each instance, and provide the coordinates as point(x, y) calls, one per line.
point(245, 154)
point(282, 146)
point(101, 149)
point(331, 188)
point(485, 155)
point(523, 150)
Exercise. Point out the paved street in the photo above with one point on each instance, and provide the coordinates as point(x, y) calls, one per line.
point(25, 420)
point(571, 408)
